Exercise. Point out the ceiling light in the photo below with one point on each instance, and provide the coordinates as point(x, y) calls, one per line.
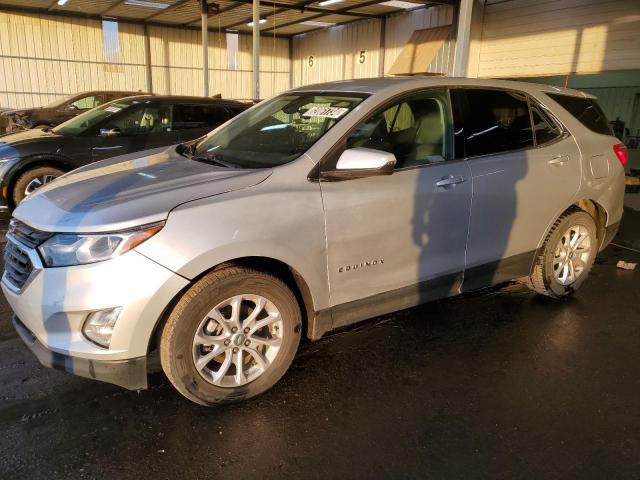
point(261, 21)
point(326, 3)
point(316, 24)
point(401, 4)
point(145, 3)
point(62, 2)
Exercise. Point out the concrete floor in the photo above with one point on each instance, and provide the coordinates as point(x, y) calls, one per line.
point(497, 384)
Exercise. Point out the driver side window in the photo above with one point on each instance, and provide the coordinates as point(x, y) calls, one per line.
point(143, 119)
point(417, 130)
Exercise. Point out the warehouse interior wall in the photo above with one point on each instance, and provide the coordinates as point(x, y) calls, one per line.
point(44, 57)
point(558, 37)
point(356, 50)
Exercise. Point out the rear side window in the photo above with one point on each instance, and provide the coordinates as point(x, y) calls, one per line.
point(198, 116)
point(586, 110)
point(497, 121)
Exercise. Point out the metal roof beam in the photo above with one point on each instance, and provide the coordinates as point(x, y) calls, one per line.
point(111, 7)
point(339, 11)
point(170, 8)
point(280, 8)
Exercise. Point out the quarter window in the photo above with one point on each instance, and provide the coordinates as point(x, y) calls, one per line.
point(417, 130)
point(545, 129)
point(498, 121)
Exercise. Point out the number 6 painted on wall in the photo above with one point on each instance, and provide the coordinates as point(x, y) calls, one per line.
point(311, 60)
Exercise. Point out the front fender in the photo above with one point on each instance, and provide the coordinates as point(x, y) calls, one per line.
point(280, 219)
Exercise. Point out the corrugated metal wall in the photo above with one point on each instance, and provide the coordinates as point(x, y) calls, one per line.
point(43, 57)
point(176, 59)
point(555, 37)
point(336, 51)
point(401, 26)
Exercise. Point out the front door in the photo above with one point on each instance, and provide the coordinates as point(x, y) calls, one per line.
point(140, 127)
point(398, 240)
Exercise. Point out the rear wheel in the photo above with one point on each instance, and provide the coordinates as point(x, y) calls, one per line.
point(566, 257)
point(231, 336)
point(33, 179)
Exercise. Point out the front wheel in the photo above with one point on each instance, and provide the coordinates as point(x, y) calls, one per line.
point(231, 336)
point(33, 179)
point(566, 257)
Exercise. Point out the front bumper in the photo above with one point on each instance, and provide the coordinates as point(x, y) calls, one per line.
point(54, 303)
point(130, 374)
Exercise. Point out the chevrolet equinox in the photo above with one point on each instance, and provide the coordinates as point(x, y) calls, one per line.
point(318, 208)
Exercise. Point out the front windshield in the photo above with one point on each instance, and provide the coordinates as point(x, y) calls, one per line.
point(277, 131)
point(86, 120)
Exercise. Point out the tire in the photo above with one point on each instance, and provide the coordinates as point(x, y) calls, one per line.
point(197, 311)
point(555, 262)
point(25, 183)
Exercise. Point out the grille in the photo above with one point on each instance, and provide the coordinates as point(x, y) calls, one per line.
point(27, 235)
point(17, 265)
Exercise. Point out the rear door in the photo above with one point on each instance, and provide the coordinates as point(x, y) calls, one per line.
point(521, 181)
point(191, 121)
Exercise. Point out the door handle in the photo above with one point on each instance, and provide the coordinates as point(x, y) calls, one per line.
point(450, 181)
point(558, 160)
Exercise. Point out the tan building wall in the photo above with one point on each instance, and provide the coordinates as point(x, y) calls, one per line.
point(336, 50)
point(334, 53)
point(538, 38)
point(43, 57)
point(400, 27)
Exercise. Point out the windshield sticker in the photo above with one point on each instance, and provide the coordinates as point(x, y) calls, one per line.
point(326, 112)
point(112, 109)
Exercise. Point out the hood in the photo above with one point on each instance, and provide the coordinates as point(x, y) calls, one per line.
point(9, 142)
point(128, 191)
point(18, 111)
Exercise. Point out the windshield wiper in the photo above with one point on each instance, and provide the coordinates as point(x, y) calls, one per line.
point(215, 159)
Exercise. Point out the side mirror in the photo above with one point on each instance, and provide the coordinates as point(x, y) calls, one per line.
point(109, 132)
point(361, 162)
point(72, 107)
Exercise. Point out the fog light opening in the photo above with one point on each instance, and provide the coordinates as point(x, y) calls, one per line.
point(99, 325)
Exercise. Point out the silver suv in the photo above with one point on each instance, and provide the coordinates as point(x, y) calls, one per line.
point(318, 208)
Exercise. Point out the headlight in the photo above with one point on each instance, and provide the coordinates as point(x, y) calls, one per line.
point(65, 249)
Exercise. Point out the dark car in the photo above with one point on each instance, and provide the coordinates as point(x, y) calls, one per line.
point(58, 111)
point(31, 158)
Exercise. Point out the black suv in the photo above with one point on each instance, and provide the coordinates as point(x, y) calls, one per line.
point(31, 158)
point(57, 112)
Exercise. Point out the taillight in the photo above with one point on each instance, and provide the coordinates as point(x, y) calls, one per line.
point(621, 152)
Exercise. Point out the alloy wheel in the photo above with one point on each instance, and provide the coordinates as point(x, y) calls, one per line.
point(238, 340)
point(38, 182)
point(572, 253)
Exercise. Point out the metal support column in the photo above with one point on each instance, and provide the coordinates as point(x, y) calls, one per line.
point(463, 38)
point(383, 41)
point(256, 50)
point(205, 46)
point(147, 59)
